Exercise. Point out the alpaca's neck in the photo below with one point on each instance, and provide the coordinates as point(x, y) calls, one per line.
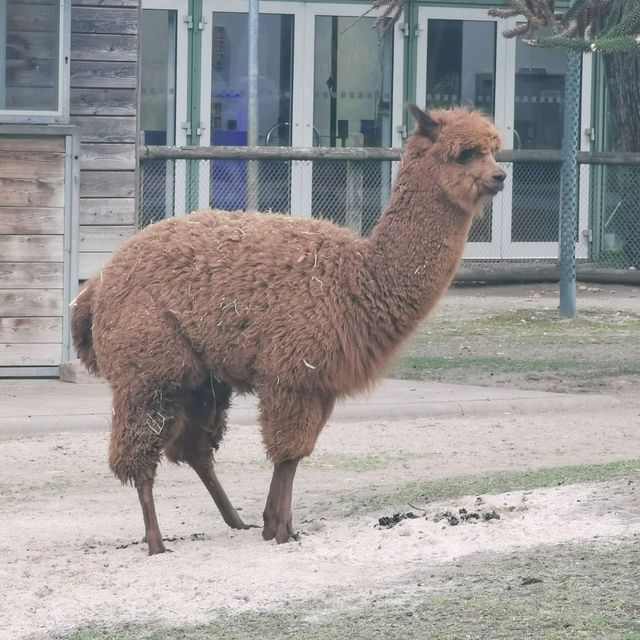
point(415, 249)
point(402, 270)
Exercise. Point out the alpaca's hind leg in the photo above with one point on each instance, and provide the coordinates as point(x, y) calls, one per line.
point(204, 468)
point(199, 430)
point(134, 452)
point(291, 424)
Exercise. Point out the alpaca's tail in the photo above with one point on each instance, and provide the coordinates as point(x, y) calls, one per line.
point(81, 327)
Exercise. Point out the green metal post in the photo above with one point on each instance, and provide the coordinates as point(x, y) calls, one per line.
point(410, 56)
point(193, 103)
point(569, 186)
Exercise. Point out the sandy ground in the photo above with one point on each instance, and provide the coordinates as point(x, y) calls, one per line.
point(71, 554)
point(70, 550)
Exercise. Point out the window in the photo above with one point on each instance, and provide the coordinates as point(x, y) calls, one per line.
point(158, 82)
point(32, 37)
point(229, 71)
point(461, 58)
point(353, 82)
point(461, 62)
point(538, 97)
point(229, 122)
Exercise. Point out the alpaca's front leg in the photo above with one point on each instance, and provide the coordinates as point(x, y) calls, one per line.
point(291, 422)
point(277, 512)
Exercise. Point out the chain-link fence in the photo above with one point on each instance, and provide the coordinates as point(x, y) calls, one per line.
point(352, 186)
point(616, 198)
point(350, 193)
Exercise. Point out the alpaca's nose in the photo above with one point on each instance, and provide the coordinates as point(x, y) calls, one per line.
point(500, 176)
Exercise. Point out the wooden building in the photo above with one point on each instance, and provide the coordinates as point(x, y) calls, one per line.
point(68, 114)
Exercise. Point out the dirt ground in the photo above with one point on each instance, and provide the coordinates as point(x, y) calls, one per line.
point(513, 336)
point(561, 561)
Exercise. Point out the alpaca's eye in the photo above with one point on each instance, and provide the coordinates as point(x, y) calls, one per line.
point(466, 156)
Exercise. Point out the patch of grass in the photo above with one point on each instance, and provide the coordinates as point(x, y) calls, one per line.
point(54, 485)
point(581, 592)
point(525, 347)
point(363, 462)
point(539, 322)
point(61, 483)
point(493, 483)
point(425, 367)
point(244, 463)
point(128, 631)
point(339, 462)
point(420, 367)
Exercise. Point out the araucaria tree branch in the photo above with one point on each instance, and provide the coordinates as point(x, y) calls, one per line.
point(587, 25)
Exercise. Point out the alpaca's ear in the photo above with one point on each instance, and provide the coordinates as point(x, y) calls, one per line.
point(429, 128)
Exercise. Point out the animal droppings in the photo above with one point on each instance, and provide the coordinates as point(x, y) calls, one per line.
point(453, 519)
point(386, 522)
point(194, 537)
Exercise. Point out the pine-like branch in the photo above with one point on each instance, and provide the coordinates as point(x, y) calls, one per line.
point(587, 25)
point(622, 44)
point(592, 22)
point(561, 41)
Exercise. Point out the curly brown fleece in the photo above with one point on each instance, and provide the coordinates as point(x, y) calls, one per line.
point(297, 311)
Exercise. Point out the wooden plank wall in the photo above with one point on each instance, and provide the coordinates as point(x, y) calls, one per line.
point(32, 201)
point(104, 83)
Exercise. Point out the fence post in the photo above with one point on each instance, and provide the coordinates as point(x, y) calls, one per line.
point(569, 186)
point(353, 214)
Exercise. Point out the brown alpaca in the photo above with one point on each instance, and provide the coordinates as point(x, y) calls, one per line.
point(299, 312)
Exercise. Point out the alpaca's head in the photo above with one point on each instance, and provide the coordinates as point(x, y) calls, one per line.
point(456, 148)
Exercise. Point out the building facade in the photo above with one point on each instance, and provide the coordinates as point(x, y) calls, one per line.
point(326, 72)
point(85, 82)
point(68, 122)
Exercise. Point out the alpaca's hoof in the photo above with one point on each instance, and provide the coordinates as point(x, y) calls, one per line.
point(241, 525)
point(281, 534)
point(155, 545)
point(287, 535)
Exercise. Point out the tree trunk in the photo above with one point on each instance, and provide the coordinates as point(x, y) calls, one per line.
point(623, 90)
point(622, 72)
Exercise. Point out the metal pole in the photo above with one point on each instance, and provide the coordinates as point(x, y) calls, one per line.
point(252, 128)
point(569, 186)
point(3, 48)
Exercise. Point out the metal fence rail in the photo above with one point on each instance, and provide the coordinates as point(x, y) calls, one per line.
point(352, 186)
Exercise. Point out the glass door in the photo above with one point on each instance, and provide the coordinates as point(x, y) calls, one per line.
point(325, 79)
point(353, 106)
point(225, 98)
point(163, 50)
point(457, 63)
point(469, 62)
point(536, 107)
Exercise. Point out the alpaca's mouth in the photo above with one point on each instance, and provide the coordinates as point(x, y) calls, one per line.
point(493, 188)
